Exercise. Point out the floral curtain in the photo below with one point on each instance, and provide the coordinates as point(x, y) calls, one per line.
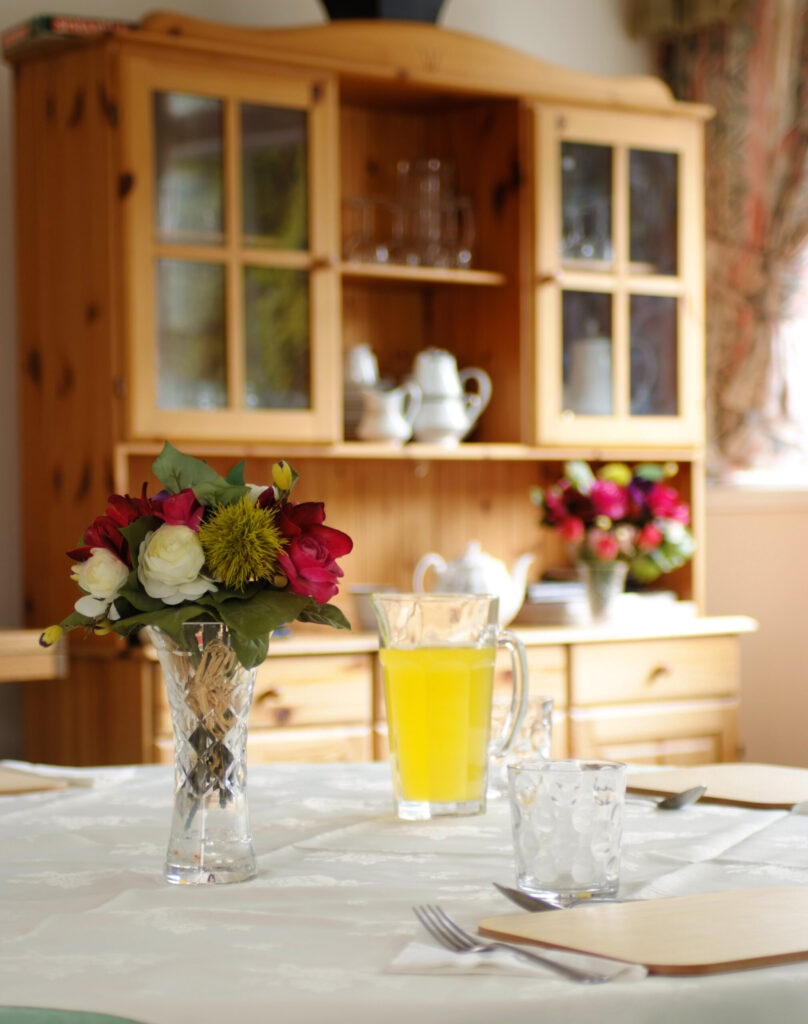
point(749, 60)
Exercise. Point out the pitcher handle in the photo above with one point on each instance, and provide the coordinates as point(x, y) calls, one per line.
point(432, 560)
point(484, 387)
point(412, 401)
point(520, 686)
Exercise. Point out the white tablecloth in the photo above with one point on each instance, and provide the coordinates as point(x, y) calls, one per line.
point(87, 922)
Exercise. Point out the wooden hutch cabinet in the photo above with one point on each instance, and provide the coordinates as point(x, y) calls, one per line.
point(187, 198)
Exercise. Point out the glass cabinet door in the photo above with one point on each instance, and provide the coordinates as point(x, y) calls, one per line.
point(231, 282)
point(619, 254)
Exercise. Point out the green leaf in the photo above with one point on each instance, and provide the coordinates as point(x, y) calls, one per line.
point(263, 613)
point(74, 620)
point(135, 534)
point(325, 615)
point(218, 492)
point(579, 475)
point(250, 652)
point(236, 475)
point(643, 569)
point(177, 471)
point(168, 618)
point(651, 471)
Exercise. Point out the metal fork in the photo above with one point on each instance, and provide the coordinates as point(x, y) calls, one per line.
point(450, 935)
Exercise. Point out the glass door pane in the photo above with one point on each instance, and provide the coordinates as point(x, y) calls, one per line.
point(188, 172)
point(274, 177)
point(587, 353)
point(653, 211)
point(278, 353)
point(654, 351)
point(191, 335)
point(586, 205)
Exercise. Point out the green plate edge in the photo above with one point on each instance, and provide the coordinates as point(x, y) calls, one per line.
point(45, 1015)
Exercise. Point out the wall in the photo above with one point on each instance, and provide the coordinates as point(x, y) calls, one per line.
point(582, 34)
point(757, 563)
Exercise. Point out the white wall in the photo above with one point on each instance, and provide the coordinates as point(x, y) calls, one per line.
point(757, 563)
point(583, 34)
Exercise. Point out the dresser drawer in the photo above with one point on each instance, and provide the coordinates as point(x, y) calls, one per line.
point(664, 733)
point(265, 746)
point(643, 670)
point(546, 670)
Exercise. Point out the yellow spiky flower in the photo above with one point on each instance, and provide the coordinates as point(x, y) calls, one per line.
point(241, 543)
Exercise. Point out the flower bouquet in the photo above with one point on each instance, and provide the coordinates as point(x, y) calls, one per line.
point(620, 514)
point(207, 549)
point(209, 567)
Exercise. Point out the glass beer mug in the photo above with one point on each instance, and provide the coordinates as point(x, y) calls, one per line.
point(438, 653)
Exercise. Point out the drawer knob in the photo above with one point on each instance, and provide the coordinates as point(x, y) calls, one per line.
point(658, 673)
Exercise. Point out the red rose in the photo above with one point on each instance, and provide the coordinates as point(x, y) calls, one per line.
point(309, 560)
point(180, 509)
point(105, 531)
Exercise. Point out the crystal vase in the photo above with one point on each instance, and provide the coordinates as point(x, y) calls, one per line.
point(605, 582)
point(209, 694)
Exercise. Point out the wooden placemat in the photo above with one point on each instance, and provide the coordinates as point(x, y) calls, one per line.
point(13, 781)
point(697, 934)
point(744, 784)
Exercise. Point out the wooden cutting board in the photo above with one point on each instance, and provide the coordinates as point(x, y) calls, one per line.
point(699, 934)
point(746, 785)
point(13, 781)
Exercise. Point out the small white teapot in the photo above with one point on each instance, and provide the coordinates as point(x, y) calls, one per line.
point(389, 415)
point(478, 573)
point(448, 410)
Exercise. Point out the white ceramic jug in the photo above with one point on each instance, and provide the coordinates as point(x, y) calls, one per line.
point(475, 572)
point(389, 415)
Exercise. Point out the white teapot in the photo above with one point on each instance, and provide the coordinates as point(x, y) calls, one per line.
point(448, 410)
point(478, 573)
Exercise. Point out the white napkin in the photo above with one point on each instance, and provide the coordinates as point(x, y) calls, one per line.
point(426, 957)
point(70, 776)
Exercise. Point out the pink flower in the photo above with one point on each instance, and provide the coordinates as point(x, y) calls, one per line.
point(608, 499)
point(604, 546)
point(649, 537)
point(571, 529)
point(309, 560)
point(180, 509)
point(664, 503)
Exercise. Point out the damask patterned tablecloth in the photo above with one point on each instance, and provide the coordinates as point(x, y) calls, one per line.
point(326, 930)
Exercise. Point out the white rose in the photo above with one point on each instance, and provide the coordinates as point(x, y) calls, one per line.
point(170, 561)
point(102, 575)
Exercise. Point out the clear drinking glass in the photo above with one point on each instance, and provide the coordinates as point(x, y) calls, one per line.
point(567, 821)
point(533, 742)
point(437, 654)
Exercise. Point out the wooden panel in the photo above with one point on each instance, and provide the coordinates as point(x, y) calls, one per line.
point(697, 732)
point(22, 657)
point(547, 674)
point(337, 744)
point(397, 511)
point(653, 670)
point(298, 691)
point(100, 713)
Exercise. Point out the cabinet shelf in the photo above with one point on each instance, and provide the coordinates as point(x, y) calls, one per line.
point(413, 452)
point(423, 275)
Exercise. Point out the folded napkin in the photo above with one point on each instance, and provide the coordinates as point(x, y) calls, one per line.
point(22, 775)
point(426, 957)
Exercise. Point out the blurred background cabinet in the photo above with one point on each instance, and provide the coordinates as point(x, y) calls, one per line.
point(193, 203)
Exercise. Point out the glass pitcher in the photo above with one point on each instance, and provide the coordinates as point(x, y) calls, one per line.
point(438, 653)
